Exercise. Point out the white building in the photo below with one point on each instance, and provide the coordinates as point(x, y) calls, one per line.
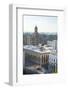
point(53, 44)
point(41, 55)
point(52, 59)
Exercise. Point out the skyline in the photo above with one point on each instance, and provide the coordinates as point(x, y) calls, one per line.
point(44, 23)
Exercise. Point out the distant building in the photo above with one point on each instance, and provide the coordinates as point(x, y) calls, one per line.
point(28, 40)
point(53, 44)
point(52, 58)
point(35, 39)
point(24, 39)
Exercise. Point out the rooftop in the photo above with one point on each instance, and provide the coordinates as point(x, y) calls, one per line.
point(38, 49)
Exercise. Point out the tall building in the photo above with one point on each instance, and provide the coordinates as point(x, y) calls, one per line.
point(35, 37)
point(28, 39)
point(53, 44)
point(24, 39)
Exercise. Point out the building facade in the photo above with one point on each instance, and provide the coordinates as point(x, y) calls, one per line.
point(35, 39)
point(53, 44)
point(36, 55)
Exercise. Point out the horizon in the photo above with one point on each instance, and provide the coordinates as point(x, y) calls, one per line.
point(43, 32)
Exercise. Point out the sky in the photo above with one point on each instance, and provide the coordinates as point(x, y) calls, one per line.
point(44, 23)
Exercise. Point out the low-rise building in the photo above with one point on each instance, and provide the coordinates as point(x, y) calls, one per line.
point(38, 54)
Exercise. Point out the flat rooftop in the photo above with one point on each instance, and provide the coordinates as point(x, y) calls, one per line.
point(37, 49)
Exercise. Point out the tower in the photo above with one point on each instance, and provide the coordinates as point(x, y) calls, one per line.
point(35, 36)
point(36, 29)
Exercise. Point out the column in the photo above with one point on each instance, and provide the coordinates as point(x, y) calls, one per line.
point(40, 60)
point(24, 58)
point(44, 59)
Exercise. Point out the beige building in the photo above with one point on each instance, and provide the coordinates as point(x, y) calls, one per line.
point(35, 39)
point(39, 55)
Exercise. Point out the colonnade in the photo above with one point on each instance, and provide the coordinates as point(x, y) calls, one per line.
point(38, 58)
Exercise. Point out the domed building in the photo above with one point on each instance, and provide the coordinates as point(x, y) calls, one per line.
point(35, 37)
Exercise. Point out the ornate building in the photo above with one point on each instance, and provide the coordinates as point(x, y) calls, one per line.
point(35, 39)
